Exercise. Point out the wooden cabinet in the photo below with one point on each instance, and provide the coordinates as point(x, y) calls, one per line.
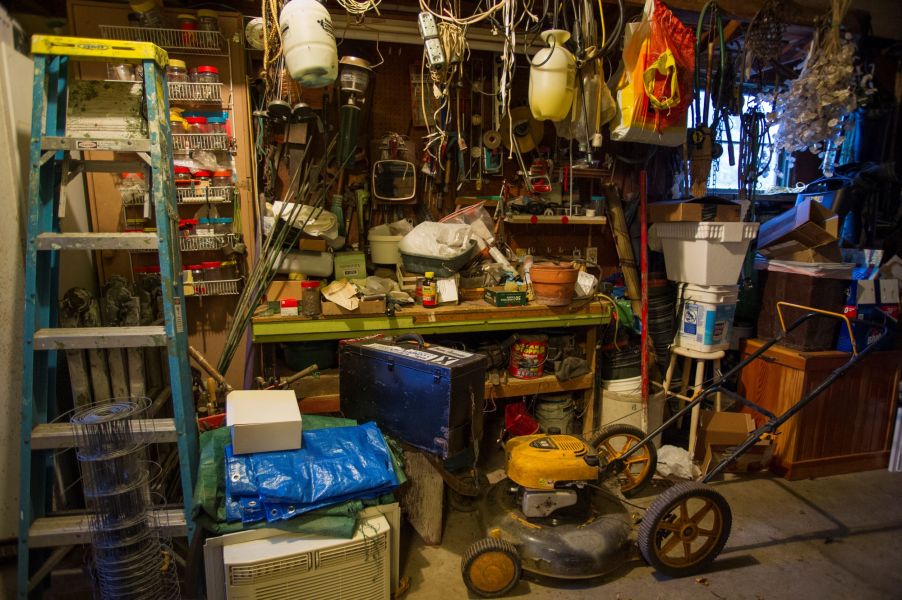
point(847, 428)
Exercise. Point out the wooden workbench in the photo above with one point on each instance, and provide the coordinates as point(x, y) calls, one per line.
point(466, 317)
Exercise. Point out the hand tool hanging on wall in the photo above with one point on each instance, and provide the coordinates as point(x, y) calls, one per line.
point(702, 146)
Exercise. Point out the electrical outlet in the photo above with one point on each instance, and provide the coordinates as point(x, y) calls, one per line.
point(592, 255)
point(435, 55)
point(428, 29)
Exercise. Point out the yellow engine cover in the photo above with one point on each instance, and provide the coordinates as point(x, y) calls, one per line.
point(540, 461)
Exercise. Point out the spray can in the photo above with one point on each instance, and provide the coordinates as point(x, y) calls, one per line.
point(430, 293)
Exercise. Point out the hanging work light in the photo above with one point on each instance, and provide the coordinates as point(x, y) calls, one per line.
point(354, 80)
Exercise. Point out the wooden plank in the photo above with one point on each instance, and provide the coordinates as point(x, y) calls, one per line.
point(74, 338)
point(547, 384)
point(555, 220)
point(70, 530)
point(422, 497)
point(49, 436)
point(97, 241)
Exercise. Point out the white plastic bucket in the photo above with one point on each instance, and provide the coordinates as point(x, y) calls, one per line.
point(619, 408)
point(555, 411)
point(308, 42)
point(707, 320)
point(630, 385)
point(384, 249)
point(705, 253)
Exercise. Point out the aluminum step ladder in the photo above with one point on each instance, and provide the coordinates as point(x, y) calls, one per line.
point(51, 168)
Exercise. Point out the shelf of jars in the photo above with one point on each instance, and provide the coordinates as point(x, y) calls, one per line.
point(201, 141)
point(186, 195)
point(203, 242)
point(194, 92)
point(211, 43)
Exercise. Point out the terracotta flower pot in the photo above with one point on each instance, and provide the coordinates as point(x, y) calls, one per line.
point(553, 284)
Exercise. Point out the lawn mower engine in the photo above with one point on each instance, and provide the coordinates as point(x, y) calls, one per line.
point(555, 515)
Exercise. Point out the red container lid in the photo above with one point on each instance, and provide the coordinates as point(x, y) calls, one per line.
point(203, 173)
point(207, 69)
point(289, 303)
point(187, 222)
point(223, 173)
point(197, 120)
point(194, 267)
point(129, 175)
point(211, 264)
point(307, 284)
point(183, 170)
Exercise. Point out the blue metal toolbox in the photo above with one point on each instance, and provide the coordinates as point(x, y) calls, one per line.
point(421, 394)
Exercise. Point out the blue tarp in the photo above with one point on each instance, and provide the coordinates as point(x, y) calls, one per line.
point(332, 466)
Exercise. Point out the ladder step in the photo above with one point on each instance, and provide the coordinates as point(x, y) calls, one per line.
point(51, 436)
point(97, 241)
point(70, 530)
point(73, 143)
point(76, 338)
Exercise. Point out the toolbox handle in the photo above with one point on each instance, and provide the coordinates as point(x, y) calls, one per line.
point(412, 337)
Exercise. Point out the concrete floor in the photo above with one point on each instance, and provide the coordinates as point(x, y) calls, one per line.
point(834, 537)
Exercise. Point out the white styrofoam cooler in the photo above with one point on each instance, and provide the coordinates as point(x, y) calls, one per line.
point(707, 320)
point(705, 253)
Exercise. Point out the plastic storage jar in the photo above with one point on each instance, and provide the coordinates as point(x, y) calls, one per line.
point(203, 178)
point(311, 305)
point(148, 271)
point(183, 177)
point(205, 74)
point(178, 123)
point(212, 270)
point(229, 269)
point(187, 227)
point(205, 226)
point(221, 225)
point(120, 72)
point(222, 178)
point(208, 20)
point(216, 125)
point(197, 125)
point(177, 71)
point(188, 26)
point(149, 13)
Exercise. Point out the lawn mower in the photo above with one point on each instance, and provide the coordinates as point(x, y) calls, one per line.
point(560, 511)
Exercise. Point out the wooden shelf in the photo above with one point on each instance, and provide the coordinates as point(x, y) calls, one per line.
point(321, 395)
point(555, 220)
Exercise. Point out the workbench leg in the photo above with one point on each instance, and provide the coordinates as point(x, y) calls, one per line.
point(592, 414)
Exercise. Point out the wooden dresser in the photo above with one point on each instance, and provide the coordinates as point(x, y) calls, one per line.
point(849, 427)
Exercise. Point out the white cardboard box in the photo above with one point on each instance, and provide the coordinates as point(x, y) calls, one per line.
point(263, 421)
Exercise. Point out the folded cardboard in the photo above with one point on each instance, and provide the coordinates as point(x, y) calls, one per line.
point(696, 209)
point(365, 307)
point(263, 420)
point(808, 232)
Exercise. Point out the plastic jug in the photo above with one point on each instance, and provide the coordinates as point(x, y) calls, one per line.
point(552, 78)
point(309, 43)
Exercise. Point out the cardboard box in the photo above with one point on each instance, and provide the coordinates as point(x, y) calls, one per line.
point(282, 289)
point(312, 244)
point(263, 421)
point(498, 296)
point(350, 265)
point(366, 307)
point(754, 459)
point(696, 209)
point(720, 432)
point(807, 232)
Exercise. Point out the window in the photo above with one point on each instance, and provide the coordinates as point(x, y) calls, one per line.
point(725, 176)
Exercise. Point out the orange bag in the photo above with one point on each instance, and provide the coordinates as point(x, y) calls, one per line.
point(655, 90)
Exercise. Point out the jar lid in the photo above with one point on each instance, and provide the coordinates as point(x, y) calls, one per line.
point(203, 173)
point(207, 69)
point(148, 269)
point(182, 170)
point(220, 120)
point(308, 284)
point(222, 173)
point(205, 221)
point(187, 222)
point(130, 175)
point(230, 263)
point(143, 7)
point(178, 64)
point(176, 118)
point(197, 120)
point(221, 220)
point(186, 17)
point(212, 264)
point(194, 267)
point(206, 12)
point(429, 274)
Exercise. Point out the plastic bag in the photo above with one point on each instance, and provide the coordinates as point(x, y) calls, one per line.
point(655, 90)
point(477, 217)
point(441, 240)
